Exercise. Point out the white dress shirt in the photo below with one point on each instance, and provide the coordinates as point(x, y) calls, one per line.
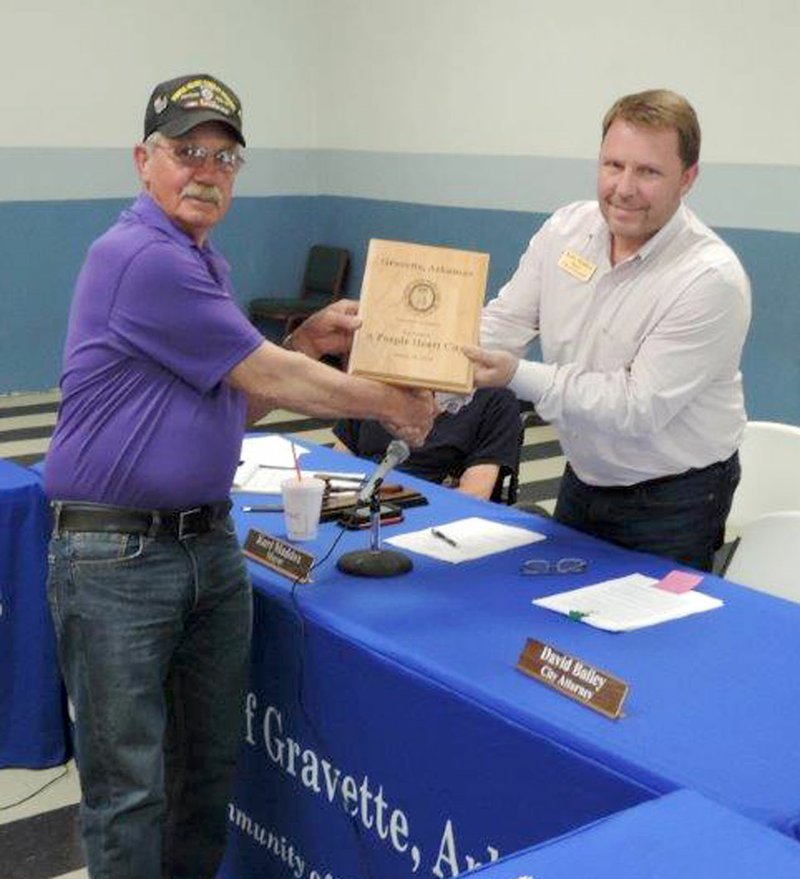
point(641, 375)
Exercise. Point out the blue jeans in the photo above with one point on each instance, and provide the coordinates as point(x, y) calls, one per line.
point(154, 637)
point(679, 517)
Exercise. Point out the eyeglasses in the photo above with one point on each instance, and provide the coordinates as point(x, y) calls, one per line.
point(190, 155)
point(559, 566)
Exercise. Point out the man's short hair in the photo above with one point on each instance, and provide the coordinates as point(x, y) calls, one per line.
point(660, 108)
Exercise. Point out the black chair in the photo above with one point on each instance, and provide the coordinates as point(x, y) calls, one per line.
point(323, 283)
point(506, 486)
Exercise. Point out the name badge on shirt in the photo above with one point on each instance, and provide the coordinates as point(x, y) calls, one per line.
point(576, 265)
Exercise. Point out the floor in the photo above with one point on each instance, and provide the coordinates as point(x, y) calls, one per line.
point(39, 824)
point(39, 809)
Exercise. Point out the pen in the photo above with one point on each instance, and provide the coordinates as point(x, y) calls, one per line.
point(263, 508)
point(442, 536)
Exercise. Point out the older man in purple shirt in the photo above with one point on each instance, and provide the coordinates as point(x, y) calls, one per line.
point(147, 585)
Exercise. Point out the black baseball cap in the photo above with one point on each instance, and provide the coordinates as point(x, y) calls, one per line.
point(178, 105)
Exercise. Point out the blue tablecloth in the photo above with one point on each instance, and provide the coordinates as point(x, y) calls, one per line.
point(680, 836)
point(33, 730)
point(401, 697)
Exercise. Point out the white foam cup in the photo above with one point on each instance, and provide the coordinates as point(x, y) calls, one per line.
point(302, 503)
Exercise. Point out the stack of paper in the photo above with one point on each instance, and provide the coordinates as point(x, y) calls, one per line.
point(266, 461)
point(627, 603)
point(267, 480)
point(270, 451)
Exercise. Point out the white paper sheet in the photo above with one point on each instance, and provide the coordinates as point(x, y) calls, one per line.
point(626, 603)
point(267, 480)
point(269, 450)
point(474, 537)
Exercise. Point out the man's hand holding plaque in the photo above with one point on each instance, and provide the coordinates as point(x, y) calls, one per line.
point(419, 306)
point(493, 369)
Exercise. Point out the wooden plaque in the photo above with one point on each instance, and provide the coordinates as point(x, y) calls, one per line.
point(419, 305)
point(591, 686)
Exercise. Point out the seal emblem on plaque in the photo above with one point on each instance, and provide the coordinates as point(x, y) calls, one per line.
point(422, 296)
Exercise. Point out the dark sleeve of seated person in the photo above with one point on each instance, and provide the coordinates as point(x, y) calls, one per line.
point(470, 446)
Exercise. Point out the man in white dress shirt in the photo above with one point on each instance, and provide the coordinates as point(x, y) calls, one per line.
point(642, 312)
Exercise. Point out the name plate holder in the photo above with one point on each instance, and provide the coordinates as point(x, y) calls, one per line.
point(572, 677)
point(281, 557)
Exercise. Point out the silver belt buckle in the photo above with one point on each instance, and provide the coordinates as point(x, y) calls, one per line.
point(187, 527)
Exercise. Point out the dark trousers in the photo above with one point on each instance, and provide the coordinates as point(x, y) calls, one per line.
point(680, 517)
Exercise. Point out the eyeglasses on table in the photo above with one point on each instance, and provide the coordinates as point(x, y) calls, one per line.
point(554, 566)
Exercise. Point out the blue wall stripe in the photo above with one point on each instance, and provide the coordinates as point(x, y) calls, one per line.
point(771, 362)
point(512, 183)
point(745, 196)
point(737, 196)
point(43, 245)
point(54, 174)
point(266, 240)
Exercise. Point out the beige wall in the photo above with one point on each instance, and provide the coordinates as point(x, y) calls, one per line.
point(527, 77)
point(508, 77)
point(77, 74)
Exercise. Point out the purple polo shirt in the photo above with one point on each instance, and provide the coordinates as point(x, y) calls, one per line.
point(145, 418)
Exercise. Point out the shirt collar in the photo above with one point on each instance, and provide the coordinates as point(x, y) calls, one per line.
point(665, 234)
point(678, 221)
point(147, 209)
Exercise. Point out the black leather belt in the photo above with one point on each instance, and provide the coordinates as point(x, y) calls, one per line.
point(191, 522)
point(659, 480)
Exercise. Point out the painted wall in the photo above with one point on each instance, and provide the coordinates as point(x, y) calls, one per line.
point(528, 77)
point(77, 77)
point(446, 121)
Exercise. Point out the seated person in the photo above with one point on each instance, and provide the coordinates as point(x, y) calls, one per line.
point(469, 448)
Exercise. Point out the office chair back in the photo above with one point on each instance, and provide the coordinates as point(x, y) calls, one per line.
point(323, 282)
point(770, 459)
point(767, 556)
point(326, 270)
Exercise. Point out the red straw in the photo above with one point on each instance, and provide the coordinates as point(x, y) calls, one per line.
point(296, 463)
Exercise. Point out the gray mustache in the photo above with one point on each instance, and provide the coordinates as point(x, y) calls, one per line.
point(210, 194)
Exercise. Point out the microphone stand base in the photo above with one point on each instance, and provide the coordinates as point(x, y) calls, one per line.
point(374, 563)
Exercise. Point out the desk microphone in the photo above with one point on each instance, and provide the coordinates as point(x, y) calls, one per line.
point(376, 561)
point(396, 453)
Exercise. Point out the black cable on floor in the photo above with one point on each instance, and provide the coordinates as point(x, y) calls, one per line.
point(36, 792)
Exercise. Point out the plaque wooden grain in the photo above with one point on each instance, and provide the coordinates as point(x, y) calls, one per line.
point(419, 305)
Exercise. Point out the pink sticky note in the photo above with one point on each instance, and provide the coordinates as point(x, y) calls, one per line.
point(679, 581)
